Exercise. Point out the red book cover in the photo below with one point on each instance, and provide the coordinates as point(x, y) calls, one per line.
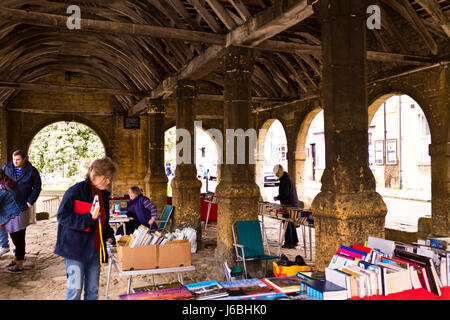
point(361, 248)
point(82, 207)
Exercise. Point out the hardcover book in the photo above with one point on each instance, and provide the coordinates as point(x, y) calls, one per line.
point(246, 287)
point(82, 207)
point(284, 284)
point(207, 290)
point(175, 293)
point(155, 287)
point(325, 290)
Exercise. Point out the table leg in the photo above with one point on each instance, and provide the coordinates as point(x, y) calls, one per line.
point(310, 244)
point(129, 285)
point(108, 277)
point(207, 215)
point(180, 277)
point(280, 240)
point(304, 238)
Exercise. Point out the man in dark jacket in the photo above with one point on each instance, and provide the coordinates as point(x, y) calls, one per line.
point(287, 195)
point(29, 180)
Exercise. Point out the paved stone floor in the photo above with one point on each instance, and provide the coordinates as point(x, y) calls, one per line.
point(44, 276)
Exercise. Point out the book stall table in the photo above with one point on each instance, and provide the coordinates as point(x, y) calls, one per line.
point(131, 273)
point(117, 222)
point(285, 214)
point(413, 294)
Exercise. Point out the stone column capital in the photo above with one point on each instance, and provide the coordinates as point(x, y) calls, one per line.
point(236, 59)
point(156, 106)
point(186, 89)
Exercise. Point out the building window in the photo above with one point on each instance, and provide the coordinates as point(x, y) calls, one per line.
point(424, 140)
point(371, 156)
point(391, 151)
point(379, 152)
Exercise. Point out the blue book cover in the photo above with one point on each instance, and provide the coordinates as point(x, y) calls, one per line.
point(354, 250)
point(325, 290)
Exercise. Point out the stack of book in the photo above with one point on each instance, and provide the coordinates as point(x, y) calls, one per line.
point(143, 236)
point(383, 267)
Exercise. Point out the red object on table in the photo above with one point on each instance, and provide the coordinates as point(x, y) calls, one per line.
point(413, 294)
point(204, 210)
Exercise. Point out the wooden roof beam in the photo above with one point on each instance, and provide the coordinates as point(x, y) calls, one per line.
point(273, 20)
point(67, 89)
point(435, 10)
point(282, 15)
point(109, 27)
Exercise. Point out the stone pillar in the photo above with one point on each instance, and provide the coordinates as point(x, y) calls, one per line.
point(3, 135)
point(237, 192)
point(440, 164)
point(156, 178)
point(259, 171)
point(348, 209)
point(299, 177)
point(185, 185)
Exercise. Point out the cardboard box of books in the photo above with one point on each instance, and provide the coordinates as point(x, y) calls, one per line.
point(140, 257)
point(174, 253)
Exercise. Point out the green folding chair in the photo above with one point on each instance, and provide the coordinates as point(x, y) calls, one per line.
point(165, 216)
point(248, 243)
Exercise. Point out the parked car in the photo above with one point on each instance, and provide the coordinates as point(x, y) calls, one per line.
point(270, 179)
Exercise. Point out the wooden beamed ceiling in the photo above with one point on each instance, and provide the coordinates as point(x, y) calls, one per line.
point(137, 50)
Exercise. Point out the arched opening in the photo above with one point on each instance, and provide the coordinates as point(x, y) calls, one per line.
point(206, 159)
point(272, 150)
point(309, 171)
point(62, 153)
point(399, 138)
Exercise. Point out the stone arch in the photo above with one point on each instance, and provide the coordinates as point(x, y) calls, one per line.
point(299, 153)
point(378, 95)
point(263, 128)
point(219, 146)
point(440, 135)
point(68, 118)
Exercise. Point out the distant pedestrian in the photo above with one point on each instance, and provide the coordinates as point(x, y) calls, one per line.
point(14, 218)
point(168, 169)
point(287, 195)
point(29, 180)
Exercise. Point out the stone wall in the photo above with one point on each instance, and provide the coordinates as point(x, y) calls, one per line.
point(102, 113)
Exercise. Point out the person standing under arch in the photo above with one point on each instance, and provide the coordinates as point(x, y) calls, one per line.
point(14, 219)
point(287, 195)
point(29, 180)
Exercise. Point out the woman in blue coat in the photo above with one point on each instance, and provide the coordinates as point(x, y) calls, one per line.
point(79, 239)
point(14, 219)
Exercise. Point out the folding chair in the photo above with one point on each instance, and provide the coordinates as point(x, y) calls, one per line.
point(165, 216)
point(248, 243)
